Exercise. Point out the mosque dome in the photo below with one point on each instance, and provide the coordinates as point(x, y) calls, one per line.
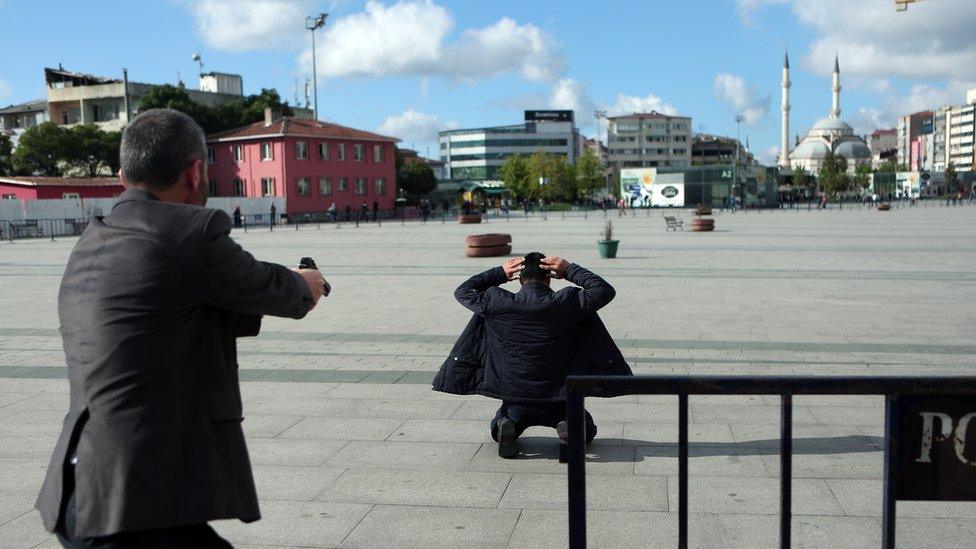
point(854, 149)
point(833, 124)
point(811, 148)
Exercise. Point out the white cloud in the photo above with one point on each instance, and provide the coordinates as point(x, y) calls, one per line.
point(629, 104)
point(742, 98)
point(410, 38)
point(4, 88)
point(414, 126)
point(768, 156)
point(568, 93)
point(249, 25)
point(746, 9)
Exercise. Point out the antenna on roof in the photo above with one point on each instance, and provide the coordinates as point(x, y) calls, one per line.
point(196, 57)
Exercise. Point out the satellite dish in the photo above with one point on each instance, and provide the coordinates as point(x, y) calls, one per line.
point(196, 56)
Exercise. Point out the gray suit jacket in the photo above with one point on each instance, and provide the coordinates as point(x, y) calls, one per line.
point(152, 301)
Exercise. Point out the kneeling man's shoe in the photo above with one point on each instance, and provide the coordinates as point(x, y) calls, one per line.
point(506, 439)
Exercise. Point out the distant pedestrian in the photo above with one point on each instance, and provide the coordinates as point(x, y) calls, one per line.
point(376, 210)
point(333, 214)
point(364, 213)
point(348, 213)
point(237, 217)
point(274, 214)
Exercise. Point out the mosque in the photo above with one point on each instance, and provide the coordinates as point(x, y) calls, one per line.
point(830, 134)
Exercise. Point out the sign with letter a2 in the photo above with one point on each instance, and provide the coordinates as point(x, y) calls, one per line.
point(936, 448)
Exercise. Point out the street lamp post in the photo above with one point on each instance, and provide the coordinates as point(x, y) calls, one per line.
point(738, 120)
point(312, 24)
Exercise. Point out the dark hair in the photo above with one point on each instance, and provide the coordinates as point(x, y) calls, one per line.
point(532, 271)
point(159, 145)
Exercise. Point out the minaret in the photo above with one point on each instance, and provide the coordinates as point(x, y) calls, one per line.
point(835, 112)
point(784, 146)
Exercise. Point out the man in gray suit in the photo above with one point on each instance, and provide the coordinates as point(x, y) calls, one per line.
point(151, 303)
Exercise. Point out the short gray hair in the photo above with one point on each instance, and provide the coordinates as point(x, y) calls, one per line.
point(159, 145)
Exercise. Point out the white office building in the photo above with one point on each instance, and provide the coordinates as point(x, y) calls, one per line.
point(479, 153)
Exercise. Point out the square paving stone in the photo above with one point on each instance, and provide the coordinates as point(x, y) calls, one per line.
point(603, 492)
point(650, 434)
point(433, 527)
point(859, 497)
point(403, 409)
point(442, 430)
point(296, 524)
point(753, 531)
point(703, 460)
point(753, 496)
point(23, 531)
point(403, 455)
point(538, 529)
point(292, 483)
point(541, 455)
point(267, 426)
point(286, 451)
point(437, 488)
point(342, 428)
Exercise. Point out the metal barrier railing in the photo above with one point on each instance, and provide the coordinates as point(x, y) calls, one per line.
point(892, 387)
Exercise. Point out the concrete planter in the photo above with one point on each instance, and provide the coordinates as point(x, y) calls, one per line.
point(702, 224)
point(608, 248)
point(469, 218)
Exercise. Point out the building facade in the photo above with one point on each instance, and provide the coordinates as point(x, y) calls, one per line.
point(711, 150)
point(479, 153)
point(960, 151)
point(644, 140)
point(909, 127)
point(311, 164)
point(35, 188)
point(884, 146)
point(16, 119)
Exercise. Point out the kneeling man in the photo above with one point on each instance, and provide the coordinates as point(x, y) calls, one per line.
point(519, 347)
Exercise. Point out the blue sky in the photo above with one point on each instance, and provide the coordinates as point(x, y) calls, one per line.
point(412, 67)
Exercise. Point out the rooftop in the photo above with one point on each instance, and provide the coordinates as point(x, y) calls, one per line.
point(290, 126)
point(30, 181)
point(30, 106)
point(642, 115)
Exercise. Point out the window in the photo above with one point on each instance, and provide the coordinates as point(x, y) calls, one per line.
point(325, 186)
point(379, 186)
point(360, 185)
point(343, 184)
point(359, 152)
point(378, 153)
point(267, 152)
point(239, 189)
point(212, 188)
point(210, 155)
point(10, 197)
point(304, 186)
point(323, 151)
point(65, 196)
point(342, 151)
point(267, 186)
point(301, 150)
point(238, 153)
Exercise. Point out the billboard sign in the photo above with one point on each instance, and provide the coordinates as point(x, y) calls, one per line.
point(635, 185)
point(907, 184)
point(935, 456)
point(548, 116)
point(668, 195)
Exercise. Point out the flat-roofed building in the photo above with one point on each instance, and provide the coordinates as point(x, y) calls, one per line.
point(651, 139)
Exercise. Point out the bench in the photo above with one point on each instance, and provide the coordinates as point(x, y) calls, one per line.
point(673, 223)
point(28, 227)
point(75, 226)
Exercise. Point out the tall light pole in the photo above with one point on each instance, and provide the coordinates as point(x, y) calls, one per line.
point(598, 114)
point(738, 120)
point(313, 24)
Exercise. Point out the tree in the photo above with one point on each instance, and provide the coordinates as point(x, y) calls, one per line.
point(557, 173)
point(517, 177)
point(85, 148)
point(799, 175)
point(833, 174)
point(951, 179)
point(40, 150)
point(888, 166)
point(589, 173)
point(168, 96)
point(111, 142)
point(232, 114)
point(862, 176)
point(254, 106)
point(6, 155)
point(416, 179)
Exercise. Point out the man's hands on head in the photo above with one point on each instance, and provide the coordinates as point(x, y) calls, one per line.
point(316, 283)
point(513, 267)
point(555, 265)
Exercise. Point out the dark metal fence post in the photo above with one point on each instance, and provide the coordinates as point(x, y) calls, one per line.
point(888, 509)
point(576, 468)
point(786, 470)
point(683, 471)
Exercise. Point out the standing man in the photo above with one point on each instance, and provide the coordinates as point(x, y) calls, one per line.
point(520, 347)
point(151, 303)
point(376, 210)
point(274, 214)
point(237, 216)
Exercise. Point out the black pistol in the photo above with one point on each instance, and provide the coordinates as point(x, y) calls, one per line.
point(309, 263)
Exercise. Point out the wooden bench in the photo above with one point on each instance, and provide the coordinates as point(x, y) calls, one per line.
point(27, 227)
point(673, 223)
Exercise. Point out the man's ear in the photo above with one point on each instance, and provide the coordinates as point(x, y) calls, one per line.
point(194, 177)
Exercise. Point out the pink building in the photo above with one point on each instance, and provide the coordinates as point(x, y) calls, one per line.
point(33, 188)
point(310, 163)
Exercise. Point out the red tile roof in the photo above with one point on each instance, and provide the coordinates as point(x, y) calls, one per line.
point(28, 181)
point(297, 127)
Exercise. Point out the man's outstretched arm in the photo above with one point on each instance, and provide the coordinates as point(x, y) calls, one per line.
point(596, 291)
point(473, 292)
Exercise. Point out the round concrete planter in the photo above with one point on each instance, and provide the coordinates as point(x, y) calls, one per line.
point(884, 207)
point(489, 251)
point(469, 218)
point(702, 224)
point(482, 240)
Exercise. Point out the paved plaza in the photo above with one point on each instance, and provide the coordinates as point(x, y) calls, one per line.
point(351, 448)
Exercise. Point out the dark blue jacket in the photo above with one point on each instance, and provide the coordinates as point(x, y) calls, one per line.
point(520, 347)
